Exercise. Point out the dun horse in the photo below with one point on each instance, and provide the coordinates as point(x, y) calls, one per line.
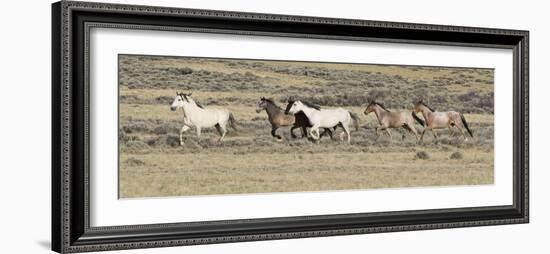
point(325, 118)
point(196, 115)
point(278, 119)
point(388, 119)
point(440, 120)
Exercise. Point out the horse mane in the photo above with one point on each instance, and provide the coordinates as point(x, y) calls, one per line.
point(311, 105)
point(199, 104)
point(272, 103)
point(381, 105)
point(196, 102)
point(431, 109)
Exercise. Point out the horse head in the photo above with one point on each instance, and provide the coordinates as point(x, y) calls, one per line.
point(289, 103)
point(370, 108)
point(420, 105)
point(261, 105)
point(178, 101)
point(294, 107)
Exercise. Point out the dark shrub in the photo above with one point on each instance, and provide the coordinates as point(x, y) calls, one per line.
point(134, 162)
point(133, 127)
point(457, 156)
point(184, 71)
point(421, 155)
point(173, 140)
point(160, 130)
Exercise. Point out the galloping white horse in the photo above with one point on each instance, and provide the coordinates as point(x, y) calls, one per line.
point(325, 118)
point(196, 115)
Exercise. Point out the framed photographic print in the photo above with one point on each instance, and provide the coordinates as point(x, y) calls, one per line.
point(181, 126)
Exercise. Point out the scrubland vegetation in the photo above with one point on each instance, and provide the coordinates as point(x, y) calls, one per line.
point(152, 163)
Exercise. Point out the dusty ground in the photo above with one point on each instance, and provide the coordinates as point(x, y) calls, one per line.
point(153, 164)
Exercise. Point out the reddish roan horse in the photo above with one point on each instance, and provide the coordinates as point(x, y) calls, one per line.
point(388, 119)
point(440, 120)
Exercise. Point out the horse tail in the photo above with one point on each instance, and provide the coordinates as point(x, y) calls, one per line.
point(466, 125)
point(355, 120)
point(232, 121)
point(417, 119)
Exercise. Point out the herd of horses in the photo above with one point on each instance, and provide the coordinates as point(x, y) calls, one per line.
point(302, 115)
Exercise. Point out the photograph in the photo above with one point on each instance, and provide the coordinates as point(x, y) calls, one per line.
point(217, 126)
point(236, 127)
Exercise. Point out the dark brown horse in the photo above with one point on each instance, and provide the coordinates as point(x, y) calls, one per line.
point(278, 118)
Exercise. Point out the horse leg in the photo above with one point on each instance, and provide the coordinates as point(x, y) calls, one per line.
point(324, 132)
point(304, 132)
point(462, 132)
point(413, 131)
point(346, 132)
point(273, 132)
point(198, 131)
point(183, 129)
point(406, 127)
point(341, 133)
point(223, 131)
point(292, 131)
point(422, 136)
point(318, 132)
point(435, 135)
point(312, 130)
point(218, 128)
point(451, 130)
point(327, 130)
point(389, 133)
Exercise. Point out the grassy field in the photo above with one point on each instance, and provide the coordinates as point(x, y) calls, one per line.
point(153, 164)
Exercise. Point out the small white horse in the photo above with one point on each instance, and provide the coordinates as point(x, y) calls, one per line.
point(325, 118)
point(196, 115)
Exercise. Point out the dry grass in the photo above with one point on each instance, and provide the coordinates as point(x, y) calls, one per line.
point(221, 172)
point(153, 164)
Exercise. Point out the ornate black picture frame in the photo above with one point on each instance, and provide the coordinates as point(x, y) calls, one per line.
point(71, 231)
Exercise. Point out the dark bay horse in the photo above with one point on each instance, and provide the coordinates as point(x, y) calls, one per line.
point(440, 120)
point(278, 118)
point(388, 119)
